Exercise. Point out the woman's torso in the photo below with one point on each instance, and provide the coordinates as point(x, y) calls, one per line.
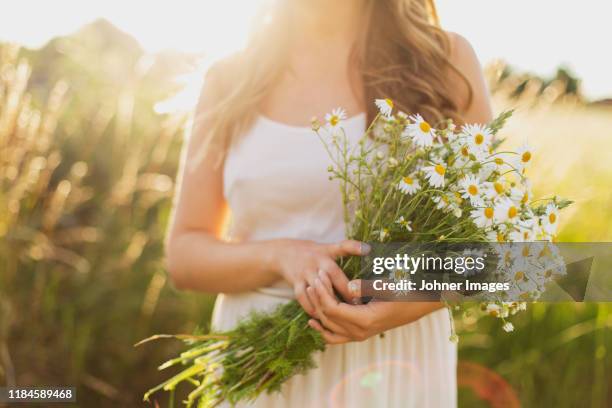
point(276, 183)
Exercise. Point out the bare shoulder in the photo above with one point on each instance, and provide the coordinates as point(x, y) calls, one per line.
point(461, 50)
point(219, 78)
point(470, 92)
point(218, 75)
point(217, 83)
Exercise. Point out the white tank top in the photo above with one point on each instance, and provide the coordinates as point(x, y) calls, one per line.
point(277, 185)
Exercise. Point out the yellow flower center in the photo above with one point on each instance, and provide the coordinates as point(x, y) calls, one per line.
point(525, 251)
point(526, 157)
point(389, 102)
point(501, 237)
point(488, 212)
point(440, 169)
point(472, 190)
point(334, 120)
point(519, 276)
point(499, 187)
point(499, 161)
point(512, 211)
point(552, 218)
point(545, 252)
point(425, 127)
point(464, 151)
point(408, 180)
point(479, 139)
point(525, 198)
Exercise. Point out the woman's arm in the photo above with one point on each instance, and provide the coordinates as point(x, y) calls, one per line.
point(198, 258)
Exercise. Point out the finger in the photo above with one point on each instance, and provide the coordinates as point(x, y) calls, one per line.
point(329, 337)
point(300, 295)
point(337, 310)
point(348, 247)
point(320, 315)
point(310, 282)
point(354, 289)
point(338, 280)
point(327, 283)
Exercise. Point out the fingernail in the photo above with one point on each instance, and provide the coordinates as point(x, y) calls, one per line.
point(365, 248)
point(321, 273)
point(353, 287)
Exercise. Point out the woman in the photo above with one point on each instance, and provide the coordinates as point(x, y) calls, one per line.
point(253, 155)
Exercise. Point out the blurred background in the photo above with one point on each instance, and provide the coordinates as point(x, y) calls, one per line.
point(94, 101)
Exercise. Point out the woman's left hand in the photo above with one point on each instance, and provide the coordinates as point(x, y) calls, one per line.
point(340, 322)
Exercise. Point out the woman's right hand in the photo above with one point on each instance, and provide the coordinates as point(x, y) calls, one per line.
point(302, 262)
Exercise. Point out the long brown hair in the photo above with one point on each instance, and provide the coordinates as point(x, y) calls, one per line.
point(402, 54)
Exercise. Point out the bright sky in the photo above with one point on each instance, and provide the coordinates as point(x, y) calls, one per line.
point(536, 35)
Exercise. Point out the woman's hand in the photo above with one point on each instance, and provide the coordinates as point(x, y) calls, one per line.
point(340, 322)
point(302, 262)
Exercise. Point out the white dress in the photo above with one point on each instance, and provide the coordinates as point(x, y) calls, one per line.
point(276, 184)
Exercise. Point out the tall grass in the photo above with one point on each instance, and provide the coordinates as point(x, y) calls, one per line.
point(82, 219)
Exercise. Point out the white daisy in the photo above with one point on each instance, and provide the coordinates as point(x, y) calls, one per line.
point(463, 154)
point(335, 118)
point(498, 163)
point(385, 107)
point(523, 158)
point(409, 184)
point(550, 219)
point(507, 210)
point(450, 134)
point(494, 310)
point(494, 190)
point(523, 232)
point(443, 202)
point(420, 131)
point(501, 162)
point(435, 174)
point(399, 275)
point(504, 255)
point(498, 235)
point(522, 196)
point(404, 223)
point(383, 234)
point(483, 217)
point(508, 327)
point(479, 137)
point(472, 190)
point(519, 235)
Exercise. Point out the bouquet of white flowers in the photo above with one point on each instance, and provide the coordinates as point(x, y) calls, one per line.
point(405, 181)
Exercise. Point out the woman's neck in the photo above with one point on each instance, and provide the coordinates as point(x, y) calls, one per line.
point(317, 22)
